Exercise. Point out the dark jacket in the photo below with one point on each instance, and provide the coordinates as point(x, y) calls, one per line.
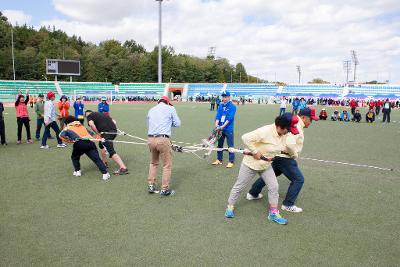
point(1, 111)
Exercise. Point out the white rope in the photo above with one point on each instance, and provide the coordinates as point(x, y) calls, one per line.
point(348, 164)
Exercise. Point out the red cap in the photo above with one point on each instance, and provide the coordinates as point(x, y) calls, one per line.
point(309, 112)
point(166, 98)
point(50, 95)
point(293, 125)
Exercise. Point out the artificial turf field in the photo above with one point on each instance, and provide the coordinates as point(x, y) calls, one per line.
point(351, 215)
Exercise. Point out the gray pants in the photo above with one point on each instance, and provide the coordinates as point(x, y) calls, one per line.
point(246, 174)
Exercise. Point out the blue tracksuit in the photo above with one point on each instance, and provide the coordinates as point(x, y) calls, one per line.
point(226, 112)
point(295, 104)
point(78, 109)
point(103, 107)
point(303, 104)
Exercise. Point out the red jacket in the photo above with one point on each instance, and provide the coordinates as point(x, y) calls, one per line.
point(353, 103)
point(64, 109)
point(21, 108)
point(371, 104)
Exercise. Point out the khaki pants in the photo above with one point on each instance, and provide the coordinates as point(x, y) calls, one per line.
point(160, 147)
point(246, 175)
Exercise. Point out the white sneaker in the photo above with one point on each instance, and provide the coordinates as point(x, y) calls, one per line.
point(106, 176)
point(44, 147)
point(61, 145)
point(77, 173)
point(292, 208)
point(250, 196)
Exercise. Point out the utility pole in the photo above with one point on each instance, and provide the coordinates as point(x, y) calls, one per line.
point(347, 67)
point(159, 40)
point(299, 72)
point(355, 62)
point(12, 50)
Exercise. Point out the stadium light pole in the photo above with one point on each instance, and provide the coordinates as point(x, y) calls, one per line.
point(159, 40)
point(12, 50)
point(355, 62)
point(299, 72)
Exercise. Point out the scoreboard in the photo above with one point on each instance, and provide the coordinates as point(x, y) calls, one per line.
point(63, 67)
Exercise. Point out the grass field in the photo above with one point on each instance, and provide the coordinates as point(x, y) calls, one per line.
point(351, 215)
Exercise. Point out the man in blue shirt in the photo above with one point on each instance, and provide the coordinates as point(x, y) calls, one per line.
point(224, 120)
point(160, 120)
point(103, 106)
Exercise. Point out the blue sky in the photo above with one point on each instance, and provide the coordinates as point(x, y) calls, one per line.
point(270, 39)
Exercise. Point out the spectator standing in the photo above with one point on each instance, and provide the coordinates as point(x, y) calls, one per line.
point(50, 118)
point(353, 105)
point(212, 103)
point(387, 108)
point(63, 107)
point(2, 126)
point(303, 103)
point(79, 108)
point(103, 106)
point(23, 117)
point(282, 108)
point(295, 105)
point(39, 109)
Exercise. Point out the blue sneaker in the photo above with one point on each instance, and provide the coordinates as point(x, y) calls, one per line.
point(229, 213)
point(167, 192)
point(276, 217)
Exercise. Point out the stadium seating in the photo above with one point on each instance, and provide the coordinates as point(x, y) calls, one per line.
point(312, 89)
point(204, 89)
point(10, 89)
point(86, 88)
point(141, 89)
point(252, 89)
point(375, 89)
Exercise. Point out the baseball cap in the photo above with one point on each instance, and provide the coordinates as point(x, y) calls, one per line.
point(290, 122)
point(225, 93)
point(103, 98)
point(309, 112)
point(50, 94)
point(166, 99)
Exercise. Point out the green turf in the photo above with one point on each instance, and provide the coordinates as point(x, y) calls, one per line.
point(351, 215)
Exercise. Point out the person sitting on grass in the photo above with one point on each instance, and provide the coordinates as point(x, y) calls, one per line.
point(335, 116)
point(76, 133)
point(370, 116)
point(323, 115)
point(344, 116)
point(357, 116)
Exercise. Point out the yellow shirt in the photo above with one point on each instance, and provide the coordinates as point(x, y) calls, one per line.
point(265, 140)
point(294, 143)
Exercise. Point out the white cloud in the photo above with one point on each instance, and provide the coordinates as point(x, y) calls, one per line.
point(17, 17)
point(268, 38)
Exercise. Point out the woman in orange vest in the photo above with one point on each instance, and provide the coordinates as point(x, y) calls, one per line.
point(63, 107)
point(77, 134)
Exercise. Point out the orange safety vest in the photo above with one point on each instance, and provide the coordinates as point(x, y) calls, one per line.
point(76, 130)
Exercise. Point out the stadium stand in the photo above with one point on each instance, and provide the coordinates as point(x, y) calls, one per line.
point(252, 89)
point(204, 89)
point(312, 89)
point(10, 89)
point(86, 88)
point(141, 89)
point(375, 89)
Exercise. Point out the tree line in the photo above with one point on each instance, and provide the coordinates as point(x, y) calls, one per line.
point(110, 60)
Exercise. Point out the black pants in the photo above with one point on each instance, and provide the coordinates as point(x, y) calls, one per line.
point(212, 106)
point(20, 122)
point(53, 125)
point(353, 110)
point(386, 115)
point(2, 132)
point(89, 148)
point(377, 110)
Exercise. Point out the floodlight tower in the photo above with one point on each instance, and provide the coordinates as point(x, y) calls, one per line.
point(12, 50)
point(355, 62)
point(347, 67)
point(298, 67)
point(159, 40)
point(211, 52)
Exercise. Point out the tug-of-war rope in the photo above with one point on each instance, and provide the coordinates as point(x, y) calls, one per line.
point(207, 146)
